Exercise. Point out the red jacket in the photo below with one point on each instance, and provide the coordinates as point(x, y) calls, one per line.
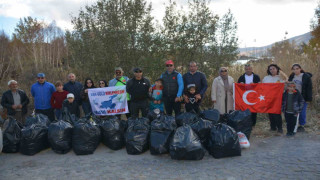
point(57, 99)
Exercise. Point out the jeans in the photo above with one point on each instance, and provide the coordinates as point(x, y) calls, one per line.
point(58, 113)
point(136, 106)
point(86, 106)
point(303, 115)
point(291, 120)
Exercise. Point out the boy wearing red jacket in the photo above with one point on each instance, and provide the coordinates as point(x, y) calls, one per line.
point(57, 99)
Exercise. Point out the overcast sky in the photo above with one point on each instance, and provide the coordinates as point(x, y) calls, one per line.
point(260, 22)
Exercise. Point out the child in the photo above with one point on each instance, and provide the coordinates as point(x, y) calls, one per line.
point(292, 104)
point(156, 96)
point(191, 103)
point(57, 99)
point(71, 106)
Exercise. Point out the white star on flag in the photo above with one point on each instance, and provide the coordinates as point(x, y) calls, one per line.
point(261, 97)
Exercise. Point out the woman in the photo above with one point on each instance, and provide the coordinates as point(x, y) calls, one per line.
point(273, 76)
point(88, 84)
point(102, 84)
point(222, 91)
point(303, 83)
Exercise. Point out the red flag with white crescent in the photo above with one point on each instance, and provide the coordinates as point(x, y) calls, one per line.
point(259, 97)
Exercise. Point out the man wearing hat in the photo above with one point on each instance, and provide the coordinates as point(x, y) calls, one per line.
point(120, 80)
point(172, 89)
point(42, 92)
point(138, 88)
point(15, 101)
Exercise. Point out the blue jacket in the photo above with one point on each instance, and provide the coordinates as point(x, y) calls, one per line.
point(42, 94)
point(198, 79)
point(74, 88)
point(114, 81)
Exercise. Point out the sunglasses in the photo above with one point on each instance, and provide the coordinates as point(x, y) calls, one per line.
point(40, 77)
point(102, 83)
point(89, 82)
point(118, 72)
point(169, 65)
point(224, 71)
point(138, 71)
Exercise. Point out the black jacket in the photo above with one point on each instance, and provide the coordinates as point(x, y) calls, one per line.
point(74, 88)
point(138, 89)
point(298, 102)
point(7, 102)
point(306, 90)
point(72, 108)
point(242, 78)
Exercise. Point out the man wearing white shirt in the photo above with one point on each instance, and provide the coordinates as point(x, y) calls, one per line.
point(249, 77)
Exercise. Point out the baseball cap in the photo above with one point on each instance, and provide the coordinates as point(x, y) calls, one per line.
point(137, 69)
point(70, 95)
point(41, 75)
point(169, 62)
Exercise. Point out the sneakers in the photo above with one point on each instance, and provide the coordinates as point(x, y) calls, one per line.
point(290, 134)
point(301, 129)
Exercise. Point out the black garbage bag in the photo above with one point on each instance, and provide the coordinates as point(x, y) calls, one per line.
point(202, 128)
point(34, 138)
point(211, 115)
point(162, 130)
point(186, 145)
point(137, 135)
point(11, 135)
point(186, 118)
point(152, 115)
point(112, 132)
point(101, 119)
point(60, 136)
point(223, 141)
point(241, 121)
point(38, 119)
point(85, 137)
point(70, 118)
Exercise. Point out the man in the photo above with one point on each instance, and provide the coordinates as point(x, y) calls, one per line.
point(138, 88)
point(73, 87)
point(172, 89)
point(247, 78)
point(42, 92)
point(196, 78)
point(15, 101)
point(120, 80)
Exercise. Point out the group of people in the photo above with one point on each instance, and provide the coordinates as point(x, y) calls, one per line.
point(166, 94)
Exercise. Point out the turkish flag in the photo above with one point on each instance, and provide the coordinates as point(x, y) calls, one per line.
point(259, 97)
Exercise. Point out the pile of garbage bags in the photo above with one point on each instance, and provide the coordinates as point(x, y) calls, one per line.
point(187, 136)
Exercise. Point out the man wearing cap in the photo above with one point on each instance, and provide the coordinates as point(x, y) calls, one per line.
point(138, 88)
point(42, 92)
point(247, 78)
point(172, 89)
point(196, 78)
point(15, 101)
point(120, 80)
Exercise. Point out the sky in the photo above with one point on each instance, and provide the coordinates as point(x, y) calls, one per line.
point(260, 22)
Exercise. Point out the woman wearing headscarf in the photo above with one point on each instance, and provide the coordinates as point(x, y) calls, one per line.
point(273, 76)
point(88, 84)
point(222, 91)
point(303, 83)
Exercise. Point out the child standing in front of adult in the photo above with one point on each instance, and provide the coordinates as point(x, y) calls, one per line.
point(192, 104)
point(292, 105)
point(71, 106)
point(57, 99)
point(156, 96)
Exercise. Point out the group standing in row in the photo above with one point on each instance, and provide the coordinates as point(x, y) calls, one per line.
point(167, 93)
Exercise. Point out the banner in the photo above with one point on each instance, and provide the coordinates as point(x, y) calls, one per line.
point(109, 100)
point(259, 98)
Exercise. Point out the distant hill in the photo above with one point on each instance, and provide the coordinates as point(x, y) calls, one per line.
point(262, 51)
